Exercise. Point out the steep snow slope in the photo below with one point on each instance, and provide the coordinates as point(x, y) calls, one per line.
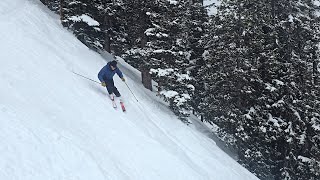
point(55, 125)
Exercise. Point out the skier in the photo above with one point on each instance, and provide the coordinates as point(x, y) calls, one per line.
point(106, 78)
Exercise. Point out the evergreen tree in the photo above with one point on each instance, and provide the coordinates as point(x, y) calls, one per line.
point(53, 5)
point(84, 19)
point(114, 26)
point(171, 60)
point(156, 46)
point(261, 85)
point(192, 18)
point(137, 18)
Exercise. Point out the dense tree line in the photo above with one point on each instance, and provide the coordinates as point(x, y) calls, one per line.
point(252, 69)
point(262, 88)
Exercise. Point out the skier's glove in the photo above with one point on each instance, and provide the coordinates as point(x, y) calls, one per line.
point(103, 84)
point(123, 79)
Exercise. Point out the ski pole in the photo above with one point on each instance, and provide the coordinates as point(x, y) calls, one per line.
point(131, 92)
point(86, 77)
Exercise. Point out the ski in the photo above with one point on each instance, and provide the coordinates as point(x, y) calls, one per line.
point(115, 105)
point(113, 102)
point(122, 106)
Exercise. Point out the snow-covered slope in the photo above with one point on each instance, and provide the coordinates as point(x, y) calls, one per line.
point(55, 125)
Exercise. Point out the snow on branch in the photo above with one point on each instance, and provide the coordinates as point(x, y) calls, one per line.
point(85, 18)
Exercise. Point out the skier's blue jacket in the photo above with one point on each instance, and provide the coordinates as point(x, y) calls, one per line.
point(106, 73)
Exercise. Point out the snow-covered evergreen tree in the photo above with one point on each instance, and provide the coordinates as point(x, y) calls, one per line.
point(53, 5)
point(260, 78)
point(160, 49)
point(192, 18)
point(83, 18)
point(179, 62)
point(114, 26)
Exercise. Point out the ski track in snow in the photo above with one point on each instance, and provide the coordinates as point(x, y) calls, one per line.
point(55, 125)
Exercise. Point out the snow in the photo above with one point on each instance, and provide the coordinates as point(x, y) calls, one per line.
point(302, 138)
point(182, 77)
point(251, 111)
point(248, 116)
point(273, 120)
point(173, 1)
point(304, 159)
point(74, 2)
point(270, 87)
point(290, 18)
point(315, 122)
point(85, 18)
point(162, 72)
point(162, 51)
point(278, 82)
point(212, 6)
point(56, 125)
point(181, 100)
point(247, 153)
point(316, 127)
point(296, 113)
point(263, 129)
point(289, 129)
point(190, 86)
point(278, 103)
point(169, 94)
point(317, 3)
point(149, 31)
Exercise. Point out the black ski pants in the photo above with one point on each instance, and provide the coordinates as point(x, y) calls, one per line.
point(111, 88)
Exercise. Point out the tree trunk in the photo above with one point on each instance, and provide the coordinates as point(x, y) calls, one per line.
point(146, 78)
point(107, 43)
point(143, 37)
point(315, 72)
point(160, 86)
point(107, 26)
point(142, 22)
point(61, 10)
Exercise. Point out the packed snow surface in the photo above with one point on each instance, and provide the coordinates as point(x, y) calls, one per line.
point(57, 125)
